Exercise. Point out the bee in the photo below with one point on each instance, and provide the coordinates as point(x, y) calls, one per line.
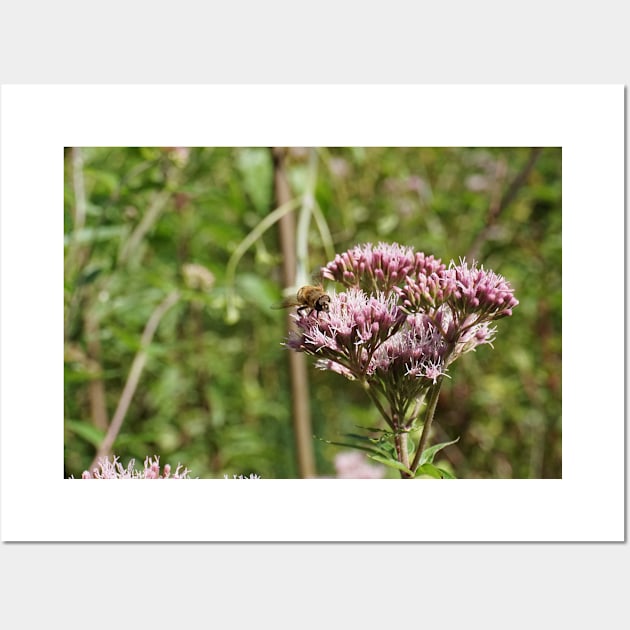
point(309, 296)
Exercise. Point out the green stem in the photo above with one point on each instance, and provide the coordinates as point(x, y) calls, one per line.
point(404, 453)
point(244, 245)
point(131, 384)
point(431, 405)
point(304, 220)
point(415, 412)
point(324, 231)
point(369, 391)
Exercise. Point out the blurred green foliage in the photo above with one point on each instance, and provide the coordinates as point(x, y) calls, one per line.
point(215, 396)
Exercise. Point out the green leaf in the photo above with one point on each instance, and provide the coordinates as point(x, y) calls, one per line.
point(430, 470)
point(429, 453)
point(446, 474)
point(359, 436)
point(374, 429)
point(257, 290)
point(86, 431)
point(255, 167)
point(91, 235)
point(384, 447)
point(392, 463)
point(367, 449)
point(88, 276)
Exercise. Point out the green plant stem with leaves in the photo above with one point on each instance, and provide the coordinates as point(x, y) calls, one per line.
point(400, 427)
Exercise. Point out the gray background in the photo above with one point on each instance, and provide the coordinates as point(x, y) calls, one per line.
point(313, 585)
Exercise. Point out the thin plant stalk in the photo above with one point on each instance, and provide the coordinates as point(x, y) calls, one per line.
point(304, 220)
point(428, 421)
point(298, 373)
point(133, 378)
point(244, 245)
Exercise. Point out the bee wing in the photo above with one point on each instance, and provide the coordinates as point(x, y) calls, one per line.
point(288, 302)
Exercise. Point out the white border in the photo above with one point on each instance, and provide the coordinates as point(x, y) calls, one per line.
point(587, 121)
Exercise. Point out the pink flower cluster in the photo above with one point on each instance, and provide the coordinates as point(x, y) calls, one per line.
point(379, 268)
point(475, 290)
point(349, 334)
point(403, 319)
point(465, 289)
point(115, 470)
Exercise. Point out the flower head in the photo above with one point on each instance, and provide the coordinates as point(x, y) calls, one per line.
point(378, 268)
point(418, 349)
point(115, 470)
point(402, 320)
point(476, 290)
point(350, 332)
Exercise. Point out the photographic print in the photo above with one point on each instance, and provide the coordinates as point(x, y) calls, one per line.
point(392, 263)
point(334, 313)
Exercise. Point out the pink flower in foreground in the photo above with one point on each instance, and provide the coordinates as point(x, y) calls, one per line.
point(115, 470)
